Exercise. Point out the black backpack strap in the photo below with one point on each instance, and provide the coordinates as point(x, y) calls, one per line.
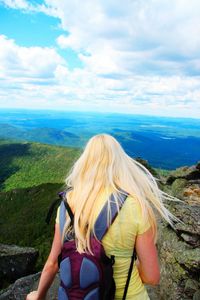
point(133, 257)
point(51, 210)
point(55, 204)
point(70, 213)
point(101, 225)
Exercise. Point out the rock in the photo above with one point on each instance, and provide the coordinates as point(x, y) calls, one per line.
point(189, 259)
point(189, 228)
point(191, 239)
point(154, 292)
point(179, 247)
point(178, 186)
point(25, 285)
point(16, 262)
point(196, 295)
point(192, 193)
point(188, 173)
point(180, 266)
point(190, 286)
point(180, 253)
point(20, 288)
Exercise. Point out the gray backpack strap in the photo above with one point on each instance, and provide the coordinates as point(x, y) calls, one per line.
point(62, 217)
point(101, 226)
point(63, 207)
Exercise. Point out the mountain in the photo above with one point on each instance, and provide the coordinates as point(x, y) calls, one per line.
point(22, 217)
point(43, 134)
point(26, 164)
point(31, 175)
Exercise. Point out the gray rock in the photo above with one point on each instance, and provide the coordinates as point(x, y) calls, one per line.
point(20, 288)
point(188, 173)
point(196, 295)
point(16, 262)
point(180, 266)
point(25, 285)
point(189, 229)
point(179, 247)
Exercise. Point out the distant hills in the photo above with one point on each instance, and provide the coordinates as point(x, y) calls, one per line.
point(43, 135)
point(160, 149)
point(165, 142)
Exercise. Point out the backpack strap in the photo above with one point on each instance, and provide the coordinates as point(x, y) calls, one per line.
point(133, 257)
point(101, 225)
point(55, 203)
point(63, 207)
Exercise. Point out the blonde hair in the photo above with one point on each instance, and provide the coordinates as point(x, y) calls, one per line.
point(104, 166)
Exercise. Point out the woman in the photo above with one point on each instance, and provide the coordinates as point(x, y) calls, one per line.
point(102, 169)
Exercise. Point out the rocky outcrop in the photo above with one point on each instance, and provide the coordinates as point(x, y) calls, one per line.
point(179, 247)
point(16, 262)
point(188, 173)
point(25, 285)
point(180, 266)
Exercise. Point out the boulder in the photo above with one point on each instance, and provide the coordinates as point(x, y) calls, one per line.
point(16, 262)
point(180, 266)
point(178, 247)
point(25, 285)
point(188, 173)
point(188, 229)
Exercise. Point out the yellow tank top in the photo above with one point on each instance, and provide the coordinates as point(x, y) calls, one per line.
point(119, 241)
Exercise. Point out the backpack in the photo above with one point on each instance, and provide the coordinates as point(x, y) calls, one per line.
point(85, 276)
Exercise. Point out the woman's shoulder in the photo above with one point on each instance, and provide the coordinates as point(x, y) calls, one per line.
point(132, 201)
point(138, 214)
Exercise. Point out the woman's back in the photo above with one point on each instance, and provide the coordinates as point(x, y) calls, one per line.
point(120, 241)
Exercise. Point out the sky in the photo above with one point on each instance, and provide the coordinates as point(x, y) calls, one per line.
point(130, 56)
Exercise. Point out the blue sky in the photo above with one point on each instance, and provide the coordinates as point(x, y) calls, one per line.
point(140, 57)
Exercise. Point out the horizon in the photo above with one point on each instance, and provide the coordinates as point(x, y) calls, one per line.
point(50, 110)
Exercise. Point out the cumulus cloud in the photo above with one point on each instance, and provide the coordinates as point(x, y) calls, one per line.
point(133, 52)
point(29, 62)
point(151, 35)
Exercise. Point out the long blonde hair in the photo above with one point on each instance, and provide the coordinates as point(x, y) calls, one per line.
point(104, 166)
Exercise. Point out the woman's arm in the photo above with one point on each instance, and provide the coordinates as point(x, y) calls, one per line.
point(50, 269)
point(147, 263)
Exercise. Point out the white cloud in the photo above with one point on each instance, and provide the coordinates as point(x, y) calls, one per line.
point(38, 77)
point(27, 62)
point(134, 53)
point(166, 31)
point(16, 4)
